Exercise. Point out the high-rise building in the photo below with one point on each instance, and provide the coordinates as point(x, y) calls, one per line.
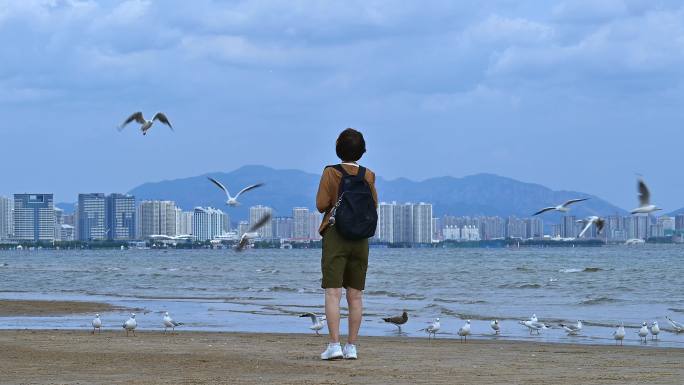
point(492, 228)
point(34, 217)
point(120, 217)
point(315, 219)
point(422, 223)
point(255, 214)
point(534, 228)
point(243, 226)
point(208, 223)
point(282, 227)
point(59, 221)
point(569, 228)
point(679, 222)
point(385, 229)
point(6, 218)
point(403, 223)
point(516, 228)
point(184, 222)
point(156, 218)
point(668, 225)
point(300, 218)
point(91, 217)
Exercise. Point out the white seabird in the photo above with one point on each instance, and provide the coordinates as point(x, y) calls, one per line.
point(170, 323)
point(130, 324)
point(592, 220)
point(495, 326)
point(645, 206)
point(572, 329)
point(97, 324)
point(654, 329)
point(146, 124)
point(432, 329)
point(619, 334)
point(232, 200)
point(251, 232)
point(316, 322)
point(563, 208)
point(677, 326)
point(533, 326)
point(464, 331)
point(643, 332)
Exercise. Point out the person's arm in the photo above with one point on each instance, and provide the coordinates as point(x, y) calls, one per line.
point(324, 200)
point(373, 190)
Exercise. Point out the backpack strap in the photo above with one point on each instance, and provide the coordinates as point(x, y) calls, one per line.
point(339, 168)
point(362, 173)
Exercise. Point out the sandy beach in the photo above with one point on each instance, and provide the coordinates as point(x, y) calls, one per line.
point(233, 358)
point(10, 308)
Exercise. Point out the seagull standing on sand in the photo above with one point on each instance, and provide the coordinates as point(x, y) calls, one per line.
point(655, 329)
point(130, 324)
point(232, 200)
point(397, 320)
point(170, 323)
point(593, 220)
point(572, 330)
point(464, 331)
point(619, 334)
point(495, 326)
point(97, 324)
point(146, 124)
point(432, 329)
point(643, 332)
point(251, 232)
point(316, 322)
point(563, 208)
point(678, 327)
point(645, 206)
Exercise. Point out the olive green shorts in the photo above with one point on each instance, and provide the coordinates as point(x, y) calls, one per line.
point(344, 262)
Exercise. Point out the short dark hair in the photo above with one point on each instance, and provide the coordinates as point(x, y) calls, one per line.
point(350, 145)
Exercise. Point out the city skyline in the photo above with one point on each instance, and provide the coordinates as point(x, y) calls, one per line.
point(521, 89)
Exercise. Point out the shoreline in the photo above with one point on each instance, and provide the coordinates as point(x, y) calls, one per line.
point(31, 356)
point(48, 308)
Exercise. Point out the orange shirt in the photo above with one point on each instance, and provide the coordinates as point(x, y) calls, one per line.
point(329, 186)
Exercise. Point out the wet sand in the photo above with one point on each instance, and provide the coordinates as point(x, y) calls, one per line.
point(13, 308)
point(238, 358)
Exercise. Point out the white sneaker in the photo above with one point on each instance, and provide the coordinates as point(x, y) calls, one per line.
point(349, 351)
point(333, 352)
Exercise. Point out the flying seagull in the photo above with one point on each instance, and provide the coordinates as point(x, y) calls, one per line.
point(432, 329)
point(593, 220)
point(316, 322)
point(572, 330)
point(645, 206)
point(561, 208)
point(97, 324)
point(397, 320)
point(495, 326)
point(678, 327)
point(251, 232)
point(464, 331)
point(170, 323)
point(146, 124)
point(619, 334)
point(130, 324)
point(232, 201)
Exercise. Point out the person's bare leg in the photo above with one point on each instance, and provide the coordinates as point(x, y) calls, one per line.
point(332, 312)
point(355, 303)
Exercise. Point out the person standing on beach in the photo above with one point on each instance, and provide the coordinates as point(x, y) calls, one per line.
point(347, 197)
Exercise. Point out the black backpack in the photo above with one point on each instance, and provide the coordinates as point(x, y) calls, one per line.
point(354, 215)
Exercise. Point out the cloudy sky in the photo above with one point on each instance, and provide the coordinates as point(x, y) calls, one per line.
point(571, 94)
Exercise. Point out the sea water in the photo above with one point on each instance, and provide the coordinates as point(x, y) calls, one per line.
point(266, 290)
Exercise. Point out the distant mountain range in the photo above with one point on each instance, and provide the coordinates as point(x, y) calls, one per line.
point(481, 194)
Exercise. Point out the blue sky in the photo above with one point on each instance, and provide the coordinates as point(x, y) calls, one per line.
point(571, 94)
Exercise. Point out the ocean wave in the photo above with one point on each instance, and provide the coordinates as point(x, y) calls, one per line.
point(460, 301)
point(403, 296)
point(585, 270)
point(524, 268)
point(520, 286)
point(269, 271)
point(598, 301)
